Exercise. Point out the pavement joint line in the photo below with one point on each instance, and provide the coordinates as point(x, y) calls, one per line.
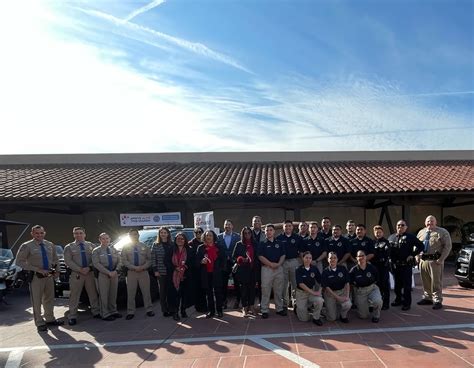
point(240, 337)
point(302, 362)
point(14, 358)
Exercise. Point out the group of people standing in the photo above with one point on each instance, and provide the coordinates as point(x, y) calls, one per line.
point(315, 271)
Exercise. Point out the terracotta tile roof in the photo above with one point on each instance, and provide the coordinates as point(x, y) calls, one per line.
point(193, 180)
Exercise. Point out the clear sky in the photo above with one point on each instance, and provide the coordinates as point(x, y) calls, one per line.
point(239, 75)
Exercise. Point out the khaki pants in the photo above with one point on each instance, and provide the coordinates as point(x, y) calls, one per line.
point(365, 296)
point(332, 305)
point(289, 276)
point(432, 279)
point(77, 282)
point(272, 279)
point(42, 292)
point(143, 280)
point(305, 300)
point(108, 294)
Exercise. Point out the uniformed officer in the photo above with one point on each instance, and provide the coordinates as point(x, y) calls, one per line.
point(381, 262)
point(308, 290)
point(303, 229)
point(39, 256)
point(136, 257)
point(78, 257)
point(436, 247)
point(315, 244)
point(366, 292)
point(292, 244)
point(325, 228)
point(271, 255)
point(106, 261)
point(361, 242)
point(351, 230)
point(338, 244)
point(335, 281)
point(403, 249)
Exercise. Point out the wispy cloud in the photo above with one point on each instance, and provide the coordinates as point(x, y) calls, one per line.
point(143, 9)
point(194, 47)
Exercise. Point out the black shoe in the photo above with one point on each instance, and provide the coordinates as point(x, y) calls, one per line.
point(117, 315)
point(210, 315)
point(150, 313)
point(184, 314)
point(42, 328)
point(318, 322)
point(176, 317)
point(437, 306)
point(129, 317)
point(405, 308)
point(97, 316)
point(425, 302)
point(220, 314)
point(264, 315)
point(56, 322)
point(344, 320)
point(72, 321)
point(282, 313)
point(236, 304)
point(396, 303)
point(375, 319)
point(109, 318)
point(385, 307)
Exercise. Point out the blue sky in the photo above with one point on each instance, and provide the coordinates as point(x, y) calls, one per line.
point(181, 75)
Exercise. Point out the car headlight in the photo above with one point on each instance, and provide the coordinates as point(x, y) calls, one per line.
point(3, 274)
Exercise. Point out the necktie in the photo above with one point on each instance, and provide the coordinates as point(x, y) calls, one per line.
point(426, 242)
point(135, 256)
point(109, 257)
point(45, 257)
point(83, 255)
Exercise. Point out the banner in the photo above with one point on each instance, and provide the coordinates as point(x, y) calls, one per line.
point(204, 220)
point(142, 219)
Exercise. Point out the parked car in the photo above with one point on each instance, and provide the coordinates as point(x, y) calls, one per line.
point(8, 272)
point(61, 284)
point(464, 272)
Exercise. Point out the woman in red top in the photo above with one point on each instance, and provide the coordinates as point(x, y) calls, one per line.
point(211, 260)
point(244, 256)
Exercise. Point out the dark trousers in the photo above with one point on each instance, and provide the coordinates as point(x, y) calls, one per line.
point(247, 289)
point(163, 281)
point(211, 293)
point(402, 276)
point(225, 281)
point(199, 294)
point(383, 283)
point(177, 298)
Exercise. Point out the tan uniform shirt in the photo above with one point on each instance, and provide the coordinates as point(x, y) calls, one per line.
point(144, 256)
point(100, 259)
point(440, 241)
point(73, 257)
point(30, 258)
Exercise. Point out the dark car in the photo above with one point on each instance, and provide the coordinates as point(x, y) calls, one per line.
point(61, 284)
point(464, 272)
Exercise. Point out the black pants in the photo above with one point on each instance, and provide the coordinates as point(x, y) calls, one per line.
point(247, 289)
point(225, 281)
point(211, 293)
point(163, 281)
point(383, 283)
point(403, 277)
point(177, 298)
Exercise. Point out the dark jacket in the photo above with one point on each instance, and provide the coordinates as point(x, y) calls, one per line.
point(246, 271)
point(219, 266)
point(187, 283)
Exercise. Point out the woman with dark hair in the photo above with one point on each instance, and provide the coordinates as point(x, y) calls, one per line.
point(244, 256)
point(199, 296)
point(179, 264)
point(159, 252)
point(211, 260)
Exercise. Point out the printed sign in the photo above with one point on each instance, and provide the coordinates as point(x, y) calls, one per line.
point(204, 220)
point(142, 219)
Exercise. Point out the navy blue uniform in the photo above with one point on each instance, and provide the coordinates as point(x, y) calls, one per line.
point(349, 236)
point(271, 250)
point(325, 235)
point(402, 247)
point(308, 277)
point(335, 280)
point(381, 262)
point(316, 246)
point(292, 244)
point(340, 246)
point(363, 278)
point(365, 244)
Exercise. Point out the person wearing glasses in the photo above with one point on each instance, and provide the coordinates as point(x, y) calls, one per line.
point(244, 270)
point(198, 292)
point(366, 292)
point(404, 247)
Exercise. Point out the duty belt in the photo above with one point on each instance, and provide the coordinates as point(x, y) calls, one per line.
point(431, 257)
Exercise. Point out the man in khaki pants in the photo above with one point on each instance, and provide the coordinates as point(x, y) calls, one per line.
point(39, 256)
point(136, 256)
point(437, 245)
point(78, 257)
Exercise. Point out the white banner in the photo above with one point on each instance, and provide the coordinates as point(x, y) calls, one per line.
point(204, 220)
point(142, 219)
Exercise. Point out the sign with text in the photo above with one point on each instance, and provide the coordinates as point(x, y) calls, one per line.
point(204, 220)
point(143, 219)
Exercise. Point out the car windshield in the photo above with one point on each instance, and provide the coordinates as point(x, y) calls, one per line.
point(59, 251)
point(148, 237)
point(6, 255)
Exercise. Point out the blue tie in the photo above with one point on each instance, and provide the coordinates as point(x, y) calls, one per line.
point(426, 242)
point(45, 257)
point(135, 256)
point(83, 255)
point(109, 257)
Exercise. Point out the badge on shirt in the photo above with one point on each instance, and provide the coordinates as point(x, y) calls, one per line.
point(293, 241)
point(312, 275)
point(339, 244)
point(340, 275)
point(369, 274)
point(363, 243)
point(277, 246)
point(317, 244)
